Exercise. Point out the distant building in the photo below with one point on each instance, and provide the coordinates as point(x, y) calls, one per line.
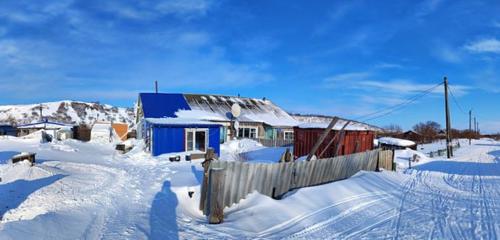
point(411, 135)
point(390, 143)
point(8, 130)
point(26, 129)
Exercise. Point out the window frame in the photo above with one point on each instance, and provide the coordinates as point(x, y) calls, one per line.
point(194, 131)
point(284, 135)
point(249, 129)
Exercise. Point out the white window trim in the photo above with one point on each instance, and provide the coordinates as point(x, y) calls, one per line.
point(284, 134)
point(194, 130)
point(256, 131)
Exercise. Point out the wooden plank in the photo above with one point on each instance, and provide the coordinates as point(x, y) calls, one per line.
point(251, 179)
point(229, 182)
point(215, 194)
point(244, 181)
point(235, 182)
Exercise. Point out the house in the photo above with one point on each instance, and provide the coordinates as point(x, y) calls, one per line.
point(390, 143)
point(121, 129)
point(8, 130)
point(108, 131)
point(26, 129)
point(171, 135)
point(259, 118)
point(411, 135)
point(358, 137)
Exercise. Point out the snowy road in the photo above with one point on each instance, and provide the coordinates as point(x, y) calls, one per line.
point(87, 191)
point(450, 200)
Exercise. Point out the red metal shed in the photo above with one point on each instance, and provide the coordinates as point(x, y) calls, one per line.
point(356, 139)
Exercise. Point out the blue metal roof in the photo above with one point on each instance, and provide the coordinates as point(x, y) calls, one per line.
point(159, 105)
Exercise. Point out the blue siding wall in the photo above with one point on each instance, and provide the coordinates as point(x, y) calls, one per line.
point(214, 139)
point(170, 139)
point(167, 140)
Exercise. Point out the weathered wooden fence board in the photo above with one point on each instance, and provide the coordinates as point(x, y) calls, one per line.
point(385, 160)
point(274, 180)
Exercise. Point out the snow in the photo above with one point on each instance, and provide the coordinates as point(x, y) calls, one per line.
point(252, 110)
point(178, 121)
point(353, 126)
point(396, 141)
point(23, 114)
point(89, 191)
point(247, 150)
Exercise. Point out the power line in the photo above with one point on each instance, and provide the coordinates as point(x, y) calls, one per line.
point(389, 110)
point(455, 100)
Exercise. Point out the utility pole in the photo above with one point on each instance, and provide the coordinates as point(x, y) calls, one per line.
point(156, 86)
point(41, 112)
point(478, 130)
point(470, 126)
point(475, 125)
point(449, 150)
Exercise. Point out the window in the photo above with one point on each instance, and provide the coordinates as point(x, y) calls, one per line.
point(196, 140)
point(247, 132)
point(189, 140)
point(288, 135)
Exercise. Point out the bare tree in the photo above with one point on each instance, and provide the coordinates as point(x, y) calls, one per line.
point(393, 129)
point(429, 130)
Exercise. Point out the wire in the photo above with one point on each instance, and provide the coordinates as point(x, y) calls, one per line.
point(455, 100)
point(387, 111)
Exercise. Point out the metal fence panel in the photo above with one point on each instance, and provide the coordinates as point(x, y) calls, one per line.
point(274, 180)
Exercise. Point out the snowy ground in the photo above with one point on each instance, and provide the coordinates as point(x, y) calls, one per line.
point(87, 191)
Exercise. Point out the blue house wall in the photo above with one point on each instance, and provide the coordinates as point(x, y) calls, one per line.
point(171, 138)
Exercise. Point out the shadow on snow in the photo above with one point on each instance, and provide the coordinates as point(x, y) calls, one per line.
point(14, 193)
point(461, 168)
point(163, 218)
point(495, 154)
point(6, 156)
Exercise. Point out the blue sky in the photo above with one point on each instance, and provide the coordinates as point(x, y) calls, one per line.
point(346, 58)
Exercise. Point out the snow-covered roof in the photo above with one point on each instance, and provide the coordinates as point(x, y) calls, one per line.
point(213, 108)
point(353, 126)
point(216, 108)
point(45, 125)
point(396, 141)
point(179, 121)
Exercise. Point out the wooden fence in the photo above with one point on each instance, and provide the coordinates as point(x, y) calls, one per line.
point(241, 178)
point(442, 152)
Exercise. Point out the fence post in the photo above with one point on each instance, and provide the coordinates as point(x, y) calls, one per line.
point(209, 156)
point(215, 196)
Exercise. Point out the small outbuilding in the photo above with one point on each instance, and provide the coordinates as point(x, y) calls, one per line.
point(8, 130)
point(171, 135)
point(390, 143)
point(27, 129)
point(412, 136)
point(357, 137)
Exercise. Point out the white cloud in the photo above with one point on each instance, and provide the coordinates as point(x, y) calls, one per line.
point(365, 81)
point(427, 7)
point(33, 11)
point(146, 10)
point(184, 8)
point(447, 54)
point(384, 65)
point(491, 45)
